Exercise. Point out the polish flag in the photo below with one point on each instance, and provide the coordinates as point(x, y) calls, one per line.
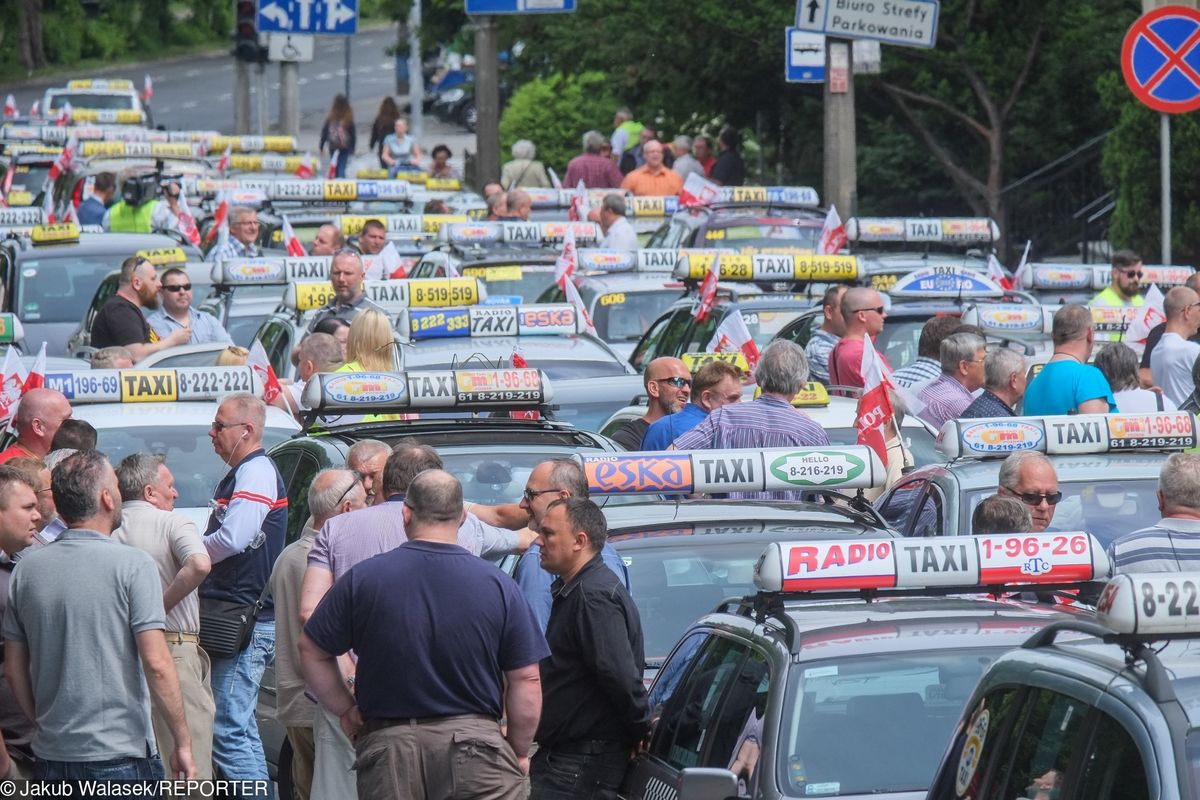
point(833, 233)
point(518, 360)
point(390, 262)
point(37, 376)
point(48, 201)
point(147, 88)
point(578, 210)
point(12, 386)
point(10, 106)
point(1146, 317)
point(220, 219)
point(1018, 280)
point(574, 299)
point(64, 116)
point(69, 214)
point(36, 108)
point(732, 335)
point(698, 191)
point(65, 159)
point(294, 248)
point(568, 260)
point(6, 186)
point(257, 361)
point(996, 272)
point(187, 222)
point(875, 405)
point(305, 169)
point(226, 157)
point(554, 181)
point(333, 162)
point(708, 289)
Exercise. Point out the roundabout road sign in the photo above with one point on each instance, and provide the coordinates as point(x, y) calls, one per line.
point(1160, 59)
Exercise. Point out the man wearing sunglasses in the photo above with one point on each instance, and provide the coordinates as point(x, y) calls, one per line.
point(863, 313)
point(668, 385)
point(122, 320)
point(1030, 477)
point(1126, 286)
point(175, 312)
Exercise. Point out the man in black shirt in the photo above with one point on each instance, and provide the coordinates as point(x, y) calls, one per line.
point(122, 322)
point(729, 170)
point(594, 709)
point(668, 385)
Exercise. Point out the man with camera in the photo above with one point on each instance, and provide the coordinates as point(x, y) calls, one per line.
point(139, 209)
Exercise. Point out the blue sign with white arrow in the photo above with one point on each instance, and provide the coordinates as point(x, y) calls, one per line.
point(316, 17)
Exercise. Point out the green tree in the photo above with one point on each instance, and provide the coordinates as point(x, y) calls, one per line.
point(553, 112)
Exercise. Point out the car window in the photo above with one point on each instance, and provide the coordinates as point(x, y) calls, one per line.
point(59, 288)
point(736, 739)
point(680, 333)
point(691, 713)
point(623, 316)
point(1113, 768)
point(671, 675)
point(1042, 749)
point(651, 343)
point(978, 746)
point(930, 513)
point(306, 468)
point(275, 336)
point(897, 508)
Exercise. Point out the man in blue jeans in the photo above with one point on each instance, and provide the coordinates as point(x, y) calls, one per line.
point(84, 624)
point(245, 535)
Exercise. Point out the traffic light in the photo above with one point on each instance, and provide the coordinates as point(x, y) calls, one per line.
point(245, 32)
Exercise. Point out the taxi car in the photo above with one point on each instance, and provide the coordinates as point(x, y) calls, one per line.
point(845, 673)
point(1060, 284)
point(111, 100)
point(748, 219)
point(30, 167)
point(51, 275)
point(1098, 709)
point(1107, 467)
point(166, 411)
point(480, 420)
point(891, 247)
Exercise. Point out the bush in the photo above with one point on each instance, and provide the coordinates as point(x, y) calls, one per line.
point(62, 34)
point(104, 40)
point(554, 113)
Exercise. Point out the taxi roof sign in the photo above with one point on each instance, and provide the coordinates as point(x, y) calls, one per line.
point(379, 173)
point(269, 162)
point(932, 562)
point(954, 230)
point(1005, 318)
point(54, 234)
point(392, 295)
point(163, 256)
point(218, 143)
point(403, 224)
point(544, 319)
point(107, 149)
point(811, 395)
point(767, 267)
point(1068, 435)
point(535, 233)
point(28, 215)
point(695, 361)
point(720, 471)
point(307, 190)
point(945, 282)
point(457, 389)
point(122, 84)
point(790, 195)
point(180, 384)
point(119, 116)
point(1153, 605)
point(1059, 277)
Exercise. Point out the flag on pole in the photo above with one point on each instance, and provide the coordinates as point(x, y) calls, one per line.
point(698, 191)
point(69, 214)
point(257, 361)
point(36, 108)
point(223, 163)
point(65, 159)
point(220, 227)
point(732, 335)
point(578, 210)
point(390, 262)
point(567, 261)
point(1151, 313)
point(305, 169)
point(574, 299)
point(147, 89)
point(6, 186)
point(291, 241)
point(875, 405)
point(996, 272)
point(833, 233)
point(333, 163)
point(10, 106)
point(12, 386)
point(37, 375)
point(554, 181)
point(1018, 280)
point(708, 289)
point(48, 201)
point(64, 115)
point(187, 222)
point(518, 360)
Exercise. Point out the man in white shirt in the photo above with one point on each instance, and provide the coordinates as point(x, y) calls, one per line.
point(1172, 360)
point(618, 233)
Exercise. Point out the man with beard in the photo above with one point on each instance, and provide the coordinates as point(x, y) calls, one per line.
point(123, 322)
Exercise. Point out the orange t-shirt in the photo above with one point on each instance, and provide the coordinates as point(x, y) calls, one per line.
point(643, 182)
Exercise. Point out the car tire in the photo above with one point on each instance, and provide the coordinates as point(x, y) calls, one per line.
point(283, 771)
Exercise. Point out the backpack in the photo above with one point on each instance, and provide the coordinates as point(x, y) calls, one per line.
point(336, 136)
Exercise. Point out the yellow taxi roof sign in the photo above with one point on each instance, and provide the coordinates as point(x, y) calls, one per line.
point(162, 256)
point(811, 395)
point(767, 267)
point(100, 83)
point(55, 234)
point(695, 361)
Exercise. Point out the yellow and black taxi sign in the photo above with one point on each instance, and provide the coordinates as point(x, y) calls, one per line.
point(162, 256)
point(55, 234)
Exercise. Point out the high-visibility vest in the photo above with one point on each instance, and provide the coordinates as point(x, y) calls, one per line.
point(123, 218)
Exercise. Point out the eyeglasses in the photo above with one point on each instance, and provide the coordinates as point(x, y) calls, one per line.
point(1132, 273)
point(349, 489)
point(1036, 498)
point(179, 287)
point(678, 383)
point(219, 426)
point(529, 494)
point(876, 309)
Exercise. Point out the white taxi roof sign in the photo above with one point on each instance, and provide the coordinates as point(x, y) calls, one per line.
point(791, 195)
point(720, 471)
point(1000, 319)
point(395, 224)
point(543, 319)
point(308, 190)
point(100, 83)
point(1068, 435)
point(767, 267)
point(535, 233)
point(961, 562)
point(1152, 605)
point(153, 385)
point(249, 271)
point(594, 259)
point(457, 389)
point(392, 295)
point(954, 230)
point(1057, 277)
point(948, 281)
point(25, 215)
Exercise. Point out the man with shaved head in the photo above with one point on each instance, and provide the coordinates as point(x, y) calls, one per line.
point(329, 240)
point(1171, 363)
point(863, 314)
point(346, 276)
point(122, 320)
point(39, 416)
point(668, 384)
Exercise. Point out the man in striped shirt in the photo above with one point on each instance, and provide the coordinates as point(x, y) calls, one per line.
point(962, 357)
point(769, 421)
point(1173, 544)
point(826, 337)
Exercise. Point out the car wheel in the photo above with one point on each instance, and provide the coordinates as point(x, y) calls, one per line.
point(470, 116)
point(284, 770)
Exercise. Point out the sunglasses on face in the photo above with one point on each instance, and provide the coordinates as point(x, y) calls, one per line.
point(219, 426)
point(876, 309)
point(1133, 273)
point(678, 383)
point(1036, 498)
point(529, 494)
point(179, 287)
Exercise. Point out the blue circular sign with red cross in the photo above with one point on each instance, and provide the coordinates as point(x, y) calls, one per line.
point(1160, 59)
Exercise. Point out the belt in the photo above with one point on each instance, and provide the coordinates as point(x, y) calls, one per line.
point(173, 637)
point(372, 724)
point(591, 747)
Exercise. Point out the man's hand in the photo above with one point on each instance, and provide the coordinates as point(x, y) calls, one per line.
point(182, 765)
point(176, 338)
point(352, 722)
point(525, 538)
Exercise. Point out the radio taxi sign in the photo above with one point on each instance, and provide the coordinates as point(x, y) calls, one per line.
point(912, 23)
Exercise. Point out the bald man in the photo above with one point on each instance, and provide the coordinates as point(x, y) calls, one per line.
point(39, 416)
point(668, 385)
point(329, 240)
point(863, 313)
point(1172, 360)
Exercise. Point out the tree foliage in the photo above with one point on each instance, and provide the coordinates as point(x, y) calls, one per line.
point(554, 112)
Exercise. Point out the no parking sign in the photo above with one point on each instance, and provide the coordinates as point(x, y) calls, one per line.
point(1160, 59)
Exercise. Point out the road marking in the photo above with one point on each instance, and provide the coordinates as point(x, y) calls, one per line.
point(222, 98)
point(192, 73)
point(189, 104)
point(302, 82)
point(324, 76)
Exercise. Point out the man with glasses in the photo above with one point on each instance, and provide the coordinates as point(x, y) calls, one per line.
point(122, 320)
point(1171, 363)
point(1125, 290)
point(962, 356)
point(1152, 338)
point(346, 275)
point(1030, 478)
point(1173, 543)
point(243, 233)
point(716, 384)
point(1068, 384)
point(244, 536)
point(668, 385)
point(175, 312)
point(863, 313)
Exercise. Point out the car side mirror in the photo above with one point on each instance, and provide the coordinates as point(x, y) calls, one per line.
point(702, 783)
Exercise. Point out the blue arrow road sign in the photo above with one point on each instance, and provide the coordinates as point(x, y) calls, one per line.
point(804, 57)
point(319, 17)
point(477, 7)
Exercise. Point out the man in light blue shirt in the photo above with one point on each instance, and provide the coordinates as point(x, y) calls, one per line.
point(550, 481)
point(716, 384)
point(1068, 384)
point(175, 312)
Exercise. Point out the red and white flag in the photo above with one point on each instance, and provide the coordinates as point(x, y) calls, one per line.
point(698, 191)
point(147, 88)
point(291, 241)
point(69, 214)
point(578, 210)
point(708, 289)
point(36, 108)
point(37, 375)
point(187, 222)
point(48, 202)
point(333, 162)
point(731, 336)
point(390, 262)
point(65, 159)
point(226, 157)
point(833, 233)
point(6, 186)
point(875, 405)
point(1146, 317)
point(305, 169)
point(64, 115)
point(10, 106)
point(574, 299)
point(220, 227)
point(996, 272)
point(567, 261)
point(12, 386)
point(518, 360)
point(1018, 280)
point(257, 361)
point(554, 181)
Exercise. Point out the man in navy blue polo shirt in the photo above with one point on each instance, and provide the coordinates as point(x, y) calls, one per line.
point(436, 733)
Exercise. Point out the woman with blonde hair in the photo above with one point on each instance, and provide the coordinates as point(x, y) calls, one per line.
point(370, 347)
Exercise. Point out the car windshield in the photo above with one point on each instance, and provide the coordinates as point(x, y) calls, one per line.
point(898, 341)
point(839, 710)
point(625, 316)
point(526, 284)
point(190, 456)
point(919, 441)
point(761, 236)
point(59, 288)
point(91, 100)
point(1106, 509)
point(495, 475)
point(555, 368)
point(30, 177)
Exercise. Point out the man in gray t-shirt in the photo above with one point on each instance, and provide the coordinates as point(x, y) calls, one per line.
point(83, 638)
